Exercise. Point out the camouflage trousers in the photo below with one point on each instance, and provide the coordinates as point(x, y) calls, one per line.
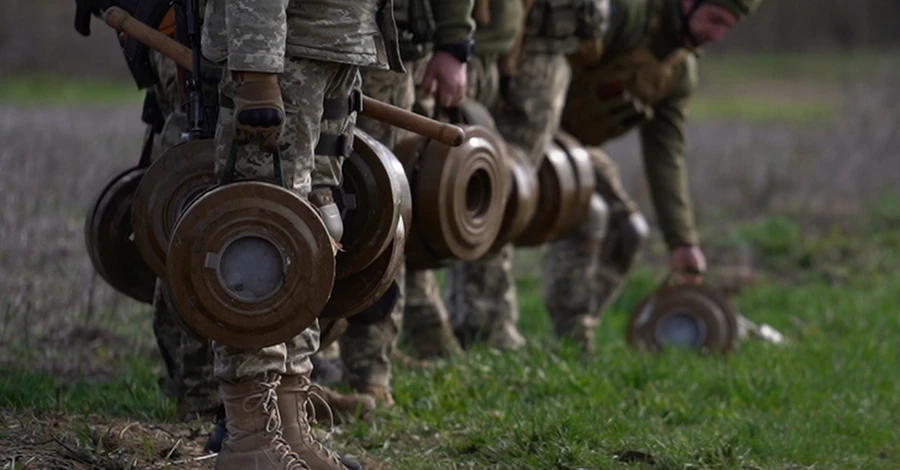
point(366, 350)
point(481, 295)
point(582, 275)
point(532, 104)
point(305, 85)
point(187, 358)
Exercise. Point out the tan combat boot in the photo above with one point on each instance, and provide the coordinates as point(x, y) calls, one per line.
point(294, 397)
point(343, 407)
point(381, 394)
point(254, 426)
point(433, 341)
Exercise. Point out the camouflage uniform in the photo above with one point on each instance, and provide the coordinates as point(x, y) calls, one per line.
point(367, 348)
point(188, 359)
point(316, 50)
point(317, 53)
point(645, 58)
point(481, 295)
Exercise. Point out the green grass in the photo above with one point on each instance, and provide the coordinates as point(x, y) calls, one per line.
point(40, 89)
point(829, 399)
point(763, 109)
point(817, 67)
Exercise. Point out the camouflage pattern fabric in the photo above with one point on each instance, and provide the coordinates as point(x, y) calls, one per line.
point(367, 349)
point(305, 85)
point(187, 358)
point(258, 36)
point(580, 278)
point(481, 295)
point(532, 104)
point(426, 321)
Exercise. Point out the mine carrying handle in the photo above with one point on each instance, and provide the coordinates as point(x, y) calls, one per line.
point(447, 134)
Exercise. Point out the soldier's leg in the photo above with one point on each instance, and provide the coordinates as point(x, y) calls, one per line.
point(424, 317)
point(481, 295)
point(481, 298)
point(274, 381)
point(531, 104)
point(626, 237)
point(585, 272)
point(366, 348)
point(188, 358)
point(426, 323)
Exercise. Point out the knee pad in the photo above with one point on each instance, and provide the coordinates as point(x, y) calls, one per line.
point(323, 199)
point(596, 224)
point(625, 241)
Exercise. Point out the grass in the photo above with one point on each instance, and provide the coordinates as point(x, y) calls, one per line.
point(41, 89)
point(763, 109)
point(829, 399)
point(724, 89)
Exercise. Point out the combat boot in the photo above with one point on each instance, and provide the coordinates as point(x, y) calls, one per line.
point(294, 398)
point(343, 407)
point(255, 440)
point(381, 394)
point(433, 341)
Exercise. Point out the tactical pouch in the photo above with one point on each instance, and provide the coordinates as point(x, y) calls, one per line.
point(552, 19)
point(592, 19)
point(415, 27)
point(338, 109)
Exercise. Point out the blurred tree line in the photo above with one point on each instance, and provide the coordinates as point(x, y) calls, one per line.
point(37, 35)
point(791, 25)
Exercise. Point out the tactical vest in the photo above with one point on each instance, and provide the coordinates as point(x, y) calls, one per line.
point(561, 25)
point(415, 27)
point(639, 72)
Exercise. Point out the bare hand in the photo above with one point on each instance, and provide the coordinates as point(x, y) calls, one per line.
point(445, 77)
point(688, 264)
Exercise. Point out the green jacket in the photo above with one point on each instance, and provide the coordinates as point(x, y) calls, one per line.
point(423, 24)
point(499, 36)
point(662, 138)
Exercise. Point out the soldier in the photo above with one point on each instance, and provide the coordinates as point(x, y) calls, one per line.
point(482, 295)
point(641, 76)
point(286, 62)
point(367, 349)
point(188, 368)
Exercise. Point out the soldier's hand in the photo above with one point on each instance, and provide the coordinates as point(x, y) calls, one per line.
point(687, 264)
point(445, 77)
point(258, 110)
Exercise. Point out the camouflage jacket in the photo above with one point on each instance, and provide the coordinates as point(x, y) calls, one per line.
point(261, 34)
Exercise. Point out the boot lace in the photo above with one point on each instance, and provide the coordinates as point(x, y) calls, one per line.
point(267, 399)
point(309, 391)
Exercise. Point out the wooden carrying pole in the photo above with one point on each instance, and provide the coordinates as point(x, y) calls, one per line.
point(448, 134)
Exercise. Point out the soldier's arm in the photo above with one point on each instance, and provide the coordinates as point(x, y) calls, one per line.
point(257, 31)
point(453, 21)
point(663, 143)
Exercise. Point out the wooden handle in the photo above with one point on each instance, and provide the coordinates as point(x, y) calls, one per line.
point(447, 134)
point(120, 20)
